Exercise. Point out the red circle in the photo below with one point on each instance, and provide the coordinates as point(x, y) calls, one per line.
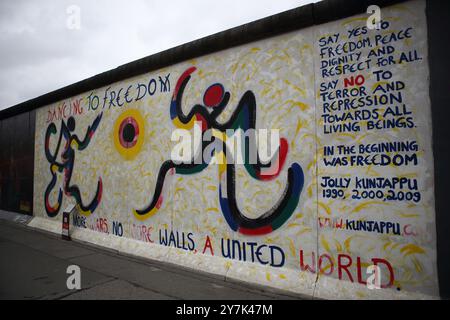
point(128, 121)
point(213, 95)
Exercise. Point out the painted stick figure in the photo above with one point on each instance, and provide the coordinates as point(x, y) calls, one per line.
point(215, 100)
point(67, 163)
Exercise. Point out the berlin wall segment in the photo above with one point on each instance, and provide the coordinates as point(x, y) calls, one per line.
point(350, 184)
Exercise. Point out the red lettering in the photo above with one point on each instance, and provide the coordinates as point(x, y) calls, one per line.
point(331, 264)
point(342, 266)
point(339, 225)
point(149, 229)
point(376, 261)
point(359, 80)
point(304, 267)
point(64, 109)
point(76, 107)
point(358, 264)
point(208, 245)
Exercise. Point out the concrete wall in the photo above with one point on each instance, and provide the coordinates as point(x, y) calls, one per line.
point(16, 162)
point(314, 226)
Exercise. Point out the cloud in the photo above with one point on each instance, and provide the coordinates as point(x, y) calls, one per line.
point(39, 53)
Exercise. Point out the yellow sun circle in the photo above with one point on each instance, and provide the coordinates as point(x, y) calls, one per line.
point(128, 133)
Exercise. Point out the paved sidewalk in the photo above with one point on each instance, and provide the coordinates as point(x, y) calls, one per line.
point(33, 265)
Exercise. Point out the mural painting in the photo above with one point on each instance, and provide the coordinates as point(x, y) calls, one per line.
point(67, 163)
point(346, 187)
point(244, 118)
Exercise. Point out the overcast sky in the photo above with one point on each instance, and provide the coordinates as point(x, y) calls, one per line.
point(39, 53)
